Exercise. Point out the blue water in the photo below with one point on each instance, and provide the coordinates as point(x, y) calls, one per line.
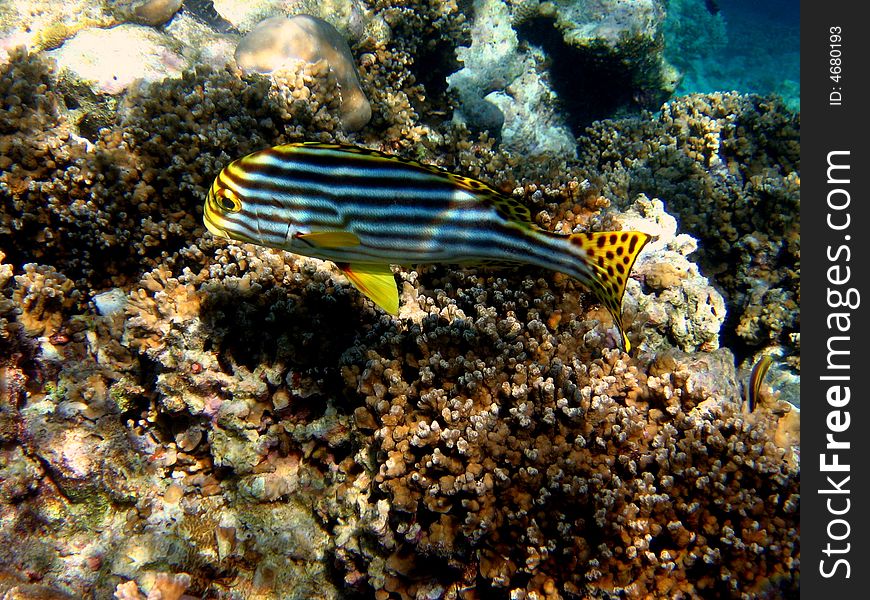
point(750, 46)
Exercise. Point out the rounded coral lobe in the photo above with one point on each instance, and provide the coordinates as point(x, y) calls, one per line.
point(276, 42)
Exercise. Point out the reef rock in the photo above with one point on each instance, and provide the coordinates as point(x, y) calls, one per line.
point(608, 23)
point(500, 88)
point(276, 41)
point(150, 12)
point(174, 404)
point(610, 58)
point(112, 59)
point(203, 43)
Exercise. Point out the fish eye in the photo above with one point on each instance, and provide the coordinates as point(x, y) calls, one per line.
point(226, 201)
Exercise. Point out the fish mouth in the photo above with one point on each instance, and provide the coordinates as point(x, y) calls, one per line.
point(213, 227)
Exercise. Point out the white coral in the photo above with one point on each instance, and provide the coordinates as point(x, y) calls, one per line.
point(680, 307)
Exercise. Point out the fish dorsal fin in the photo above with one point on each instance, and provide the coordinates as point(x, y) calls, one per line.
point(468, 183)
point(611, 255)
point(513, 210)
point(330, 239)
point(377, 155)
point(376, 282)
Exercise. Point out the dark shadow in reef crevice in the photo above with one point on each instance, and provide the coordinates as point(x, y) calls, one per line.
point(592, 83)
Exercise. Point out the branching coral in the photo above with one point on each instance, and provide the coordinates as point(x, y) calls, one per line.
point(573, 477)
point(426, 33)
point(7, 306)
point(43, 295)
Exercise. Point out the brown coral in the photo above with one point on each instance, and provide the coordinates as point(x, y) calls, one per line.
point(529, 464)
point(43, 295)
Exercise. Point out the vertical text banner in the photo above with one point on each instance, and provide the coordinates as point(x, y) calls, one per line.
point(835, 448)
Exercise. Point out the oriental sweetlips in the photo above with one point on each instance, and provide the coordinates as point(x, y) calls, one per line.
point(366, 210)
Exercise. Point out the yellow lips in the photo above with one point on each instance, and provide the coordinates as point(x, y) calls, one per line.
point(211, 222)
point(214, 229)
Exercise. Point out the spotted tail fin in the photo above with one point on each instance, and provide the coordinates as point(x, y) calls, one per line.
point(610, 256)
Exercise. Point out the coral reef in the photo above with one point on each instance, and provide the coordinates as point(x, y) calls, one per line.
point(681, 308)
point(611, 24)
point(185, 417)
point(490, 62)
point(259, 419)
point(7, 306)
point(43, 295)
point(132, 193)
point(728, 167)
point(524, 82)
point(573, 477)
point(166, 587)
point(494, 441)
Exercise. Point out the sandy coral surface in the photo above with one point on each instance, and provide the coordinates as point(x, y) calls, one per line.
point(183, 416)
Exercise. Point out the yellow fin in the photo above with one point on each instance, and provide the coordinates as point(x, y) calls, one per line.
point(376, 282)
point(611, 255)
point(331, 239)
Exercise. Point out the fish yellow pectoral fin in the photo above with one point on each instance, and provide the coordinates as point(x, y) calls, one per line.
point(376, 282)
point(331, 239)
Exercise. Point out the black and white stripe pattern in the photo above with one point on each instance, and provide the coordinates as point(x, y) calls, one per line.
point(401, 211)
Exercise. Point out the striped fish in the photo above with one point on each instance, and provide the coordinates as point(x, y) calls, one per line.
point(756, 378)
point(365, 210)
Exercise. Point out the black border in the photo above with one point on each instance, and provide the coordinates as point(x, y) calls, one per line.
point(827, 127)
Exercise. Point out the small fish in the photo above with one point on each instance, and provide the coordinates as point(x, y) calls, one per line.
point(365, 210)
point(756, 377)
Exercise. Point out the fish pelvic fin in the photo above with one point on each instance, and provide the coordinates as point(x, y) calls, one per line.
point(610, 256)
point(376, 282)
